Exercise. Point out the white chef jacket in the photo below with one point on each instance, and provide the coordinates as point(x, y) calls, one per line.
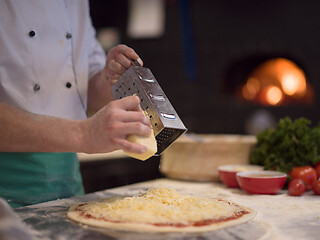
point(48, 51)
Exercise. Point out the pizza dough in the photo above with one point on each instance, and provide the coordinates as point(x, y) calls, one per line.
point(161, 210)
point(150, 142)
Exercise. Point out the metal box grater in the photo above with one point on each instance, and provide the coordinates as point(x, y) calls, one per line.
point(165, 121)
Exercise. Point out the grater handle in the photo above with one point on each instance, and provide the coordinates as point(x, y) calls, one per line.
point(135, 62)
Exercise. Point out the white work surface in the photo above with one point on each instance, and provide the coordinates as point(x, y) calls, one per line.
point(278, 216)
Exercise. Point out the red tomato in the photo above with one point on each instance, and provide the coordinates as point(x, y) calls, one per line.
point(317, 168)
point(296, 187)
point(305, 173)
point(316, 187)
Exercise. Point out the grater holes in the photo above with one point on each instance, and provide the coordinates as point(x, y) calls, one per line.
point(166, 137)
point(165, 134)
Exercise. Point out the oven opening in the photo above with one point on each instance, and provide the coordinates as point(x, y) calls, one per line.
point(275, 81)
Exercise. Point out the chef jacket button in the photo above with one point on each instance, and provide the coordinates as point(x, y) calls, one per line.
point(68, 85)
point(32, 34)
point(36, 87)
point(68, 35)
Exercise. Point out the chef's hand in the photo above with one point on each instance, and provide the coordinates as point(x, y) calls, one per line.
point(118, 61)
point(107, 130)
point(100, 85)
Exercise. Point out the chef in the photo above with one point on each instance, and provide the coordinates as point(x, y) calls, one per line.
point(51, 70)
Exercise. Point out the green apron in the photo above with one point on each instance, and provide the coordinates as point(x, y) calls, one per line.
point(30, 178)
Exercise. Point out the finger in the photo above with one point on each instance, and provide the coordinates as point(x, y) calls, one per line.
point(123, 48)
point(123, 60)
point(133, 116)
point(134, 128)
point(127, 146)
point(130, 103)
point(116, 67)
point(130, 53)
point(140, 61)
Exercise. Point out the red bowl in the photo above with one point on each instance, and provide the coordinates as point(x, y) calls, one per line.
point(261, 182)
point(227, 173)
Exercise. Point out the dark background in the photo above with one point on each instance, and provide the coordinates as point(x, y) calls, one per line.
point(230, 38)
point(226, 39)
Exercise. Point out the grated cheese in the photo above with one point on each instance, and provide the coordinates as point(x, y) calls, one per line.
point(160, 206)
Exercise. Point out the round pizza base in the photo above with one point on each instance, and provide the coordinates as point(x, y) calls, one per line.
point(74, 215)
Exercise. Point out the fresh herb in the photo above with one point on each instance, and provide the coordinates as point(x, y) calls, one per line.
point(290, 144)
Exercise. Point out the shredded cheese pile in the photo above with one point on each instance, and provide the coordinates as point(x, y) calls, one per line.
point(160, 206)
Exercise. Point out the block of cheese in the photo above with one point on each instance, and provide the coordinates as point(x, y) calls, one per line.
point(150, 142)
